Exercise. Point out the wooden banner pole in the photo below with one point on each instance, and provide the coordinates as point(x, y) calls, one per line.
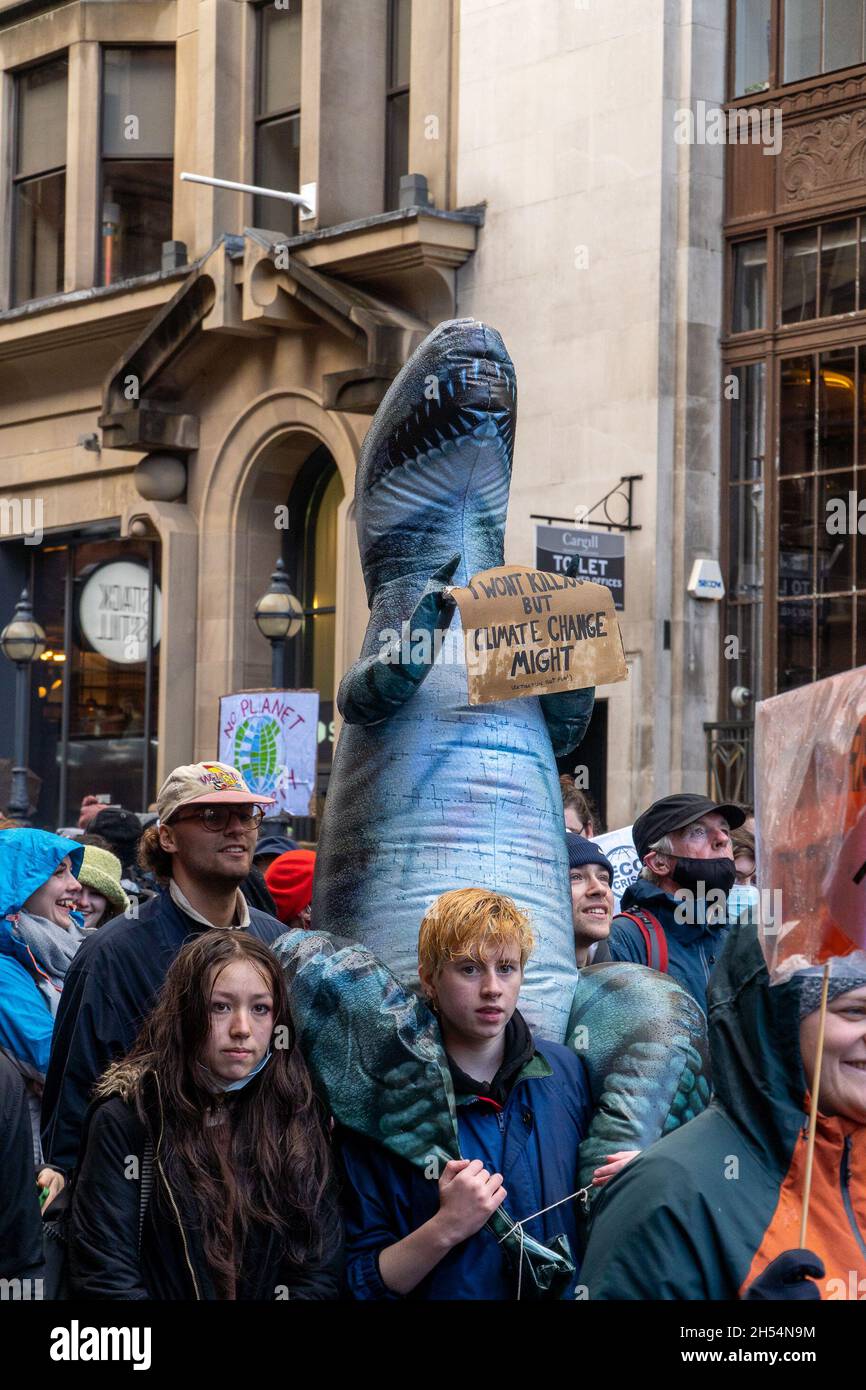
point(813, 1113)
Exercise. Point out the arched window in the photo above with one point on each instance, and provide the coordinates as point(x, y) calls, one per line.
point(311, 561)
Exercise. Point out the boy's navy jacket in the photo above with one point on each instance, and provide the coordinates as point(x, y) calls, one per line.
point(533, 1141)
point(692, 950)
point(109, 988)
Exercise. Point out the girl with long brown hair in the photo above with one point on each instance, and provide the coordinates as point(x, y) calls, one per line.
point(206, 1169)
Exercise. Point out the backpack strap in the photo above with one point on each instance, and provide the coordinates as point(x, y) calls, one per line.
point(146, 1186)
point(654, 940)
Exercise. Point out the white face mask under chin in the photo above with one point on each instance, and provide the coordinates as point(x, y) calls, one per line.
point(219, 1083)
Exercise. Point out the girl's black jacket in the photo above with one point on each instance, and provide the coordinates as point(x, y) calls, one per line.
point(113, 1254)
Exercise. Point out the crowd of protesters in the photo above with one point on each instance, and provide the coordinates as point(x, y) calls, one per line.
point(155, 1143)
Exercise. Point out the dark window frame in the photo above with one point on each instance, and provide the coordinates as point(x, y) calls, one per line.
point(70, 542)
point(777, 83)
point(305, 496)
point(19, 181)
point(855, 214)
point(263, 118)
point(131, 158)
point(822, 43)
point(393, 91)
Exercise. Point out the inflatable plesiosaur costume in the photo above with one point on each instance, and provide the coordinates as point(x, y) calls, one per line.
point(429, 793)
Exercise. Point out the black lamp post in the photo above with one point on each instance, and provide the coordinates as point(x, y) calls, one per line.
point(21, 641)
point(279, 615)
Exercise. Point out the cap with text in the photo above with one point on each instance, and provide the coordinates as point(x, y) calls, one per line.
point(205, 784)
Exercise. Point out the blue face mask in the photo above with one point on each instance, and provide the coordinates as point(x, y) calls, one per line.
point(220, 1084)
point(743, 903)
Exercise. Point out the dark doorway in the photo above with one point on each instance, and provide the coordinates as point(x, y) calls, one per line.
point(591, 754)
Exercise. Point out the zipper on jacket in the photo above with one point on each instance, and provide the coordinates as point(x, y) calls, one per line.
point(844, 1176)
point(171, 1194)
point(704, 964)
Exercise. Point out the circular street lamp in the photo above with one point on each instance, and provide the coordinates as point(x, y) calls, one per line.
point(279, 615)
point(22, 641)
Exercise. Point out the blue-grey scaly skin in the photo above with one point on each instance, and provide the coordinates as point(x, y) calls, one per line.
point(428, 793)
point(375, 1054)
point(643, 1039)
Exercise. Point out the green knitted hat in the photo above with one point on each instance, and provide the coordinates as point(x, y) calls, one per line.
point(101, 870)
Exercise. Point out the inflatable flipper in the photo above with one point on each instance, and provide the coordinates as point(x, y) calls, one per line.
point(643, 1039)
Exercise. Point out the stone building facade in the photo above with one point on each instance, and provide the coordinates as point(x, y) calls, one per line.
point(187, 372)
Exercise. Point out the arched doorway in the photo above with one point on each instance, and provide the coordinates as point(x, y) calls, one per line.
point(310, 555)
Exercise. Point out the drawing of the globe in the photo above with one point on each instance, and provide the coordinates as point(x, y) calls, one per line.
point(256, 752)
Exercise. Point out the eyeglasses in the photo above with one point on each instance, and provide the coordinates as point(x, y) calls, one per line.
point(217, 818)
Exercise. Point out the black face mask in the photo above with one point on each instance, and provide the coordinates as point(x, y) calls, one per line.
point(718, 874)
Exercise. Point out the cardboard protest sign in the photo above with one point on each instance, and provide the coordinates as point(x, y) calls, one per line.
point(619, 847)
point(528, 632)
point(810, 747)
point(270, 736)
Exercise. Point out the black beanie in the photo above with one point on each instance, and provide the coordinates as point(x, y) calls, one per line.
point(582, 851)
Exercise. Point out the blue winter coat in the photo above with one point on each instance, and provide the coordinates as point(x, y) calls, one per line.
point(692, 950)
point(27, 859)
point(533, 1141)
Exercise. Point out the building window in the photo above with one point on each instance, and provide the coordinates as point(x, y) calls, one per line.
point(278, 115)
point(137, 160)
point(822, 468)
point(745, 588)
point(397, 111)
point(39, 180)
point(821, 36)
point(93, 724)
point(752, 47)
point(750, 285)
point(821, 270)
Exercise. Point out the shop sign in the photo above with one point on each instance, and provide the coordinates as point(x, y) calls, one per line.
point(112, 612)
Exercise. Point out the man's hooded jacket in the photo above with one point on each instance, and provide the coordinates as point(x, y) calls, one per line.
point(112, 984)
point(702, 1213)
point(693, 948)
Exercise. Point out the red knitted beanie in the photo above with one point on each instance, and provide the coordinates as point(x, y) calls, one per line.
point(290, 880)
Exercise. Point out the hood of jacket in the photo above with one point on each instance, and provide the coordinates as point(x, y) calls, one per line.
point(123, 1079)
point(27, 859)
point(754, 1029)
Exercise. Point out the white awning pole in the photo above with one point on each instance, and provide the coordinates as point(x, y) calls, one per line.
point(249, 188)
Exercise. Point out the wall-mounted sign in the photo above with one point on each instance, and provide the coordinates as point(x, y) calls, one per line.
point(270, 736)
point(593, 556)
point(112, 612)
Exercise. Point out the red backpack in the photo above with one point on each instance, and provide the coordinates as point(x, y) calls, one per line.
point(654, 940)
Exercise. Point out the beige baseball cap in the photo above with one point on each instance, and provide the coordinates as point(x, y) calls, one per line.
point(205, 784)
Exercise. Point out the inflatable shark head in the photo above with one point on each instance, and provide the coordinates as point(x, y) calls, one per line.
point(435, 469)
